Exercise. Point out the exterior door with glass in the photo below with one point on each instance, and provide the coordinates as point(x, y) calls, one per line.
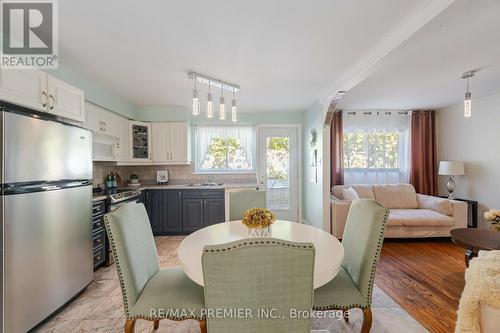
point(278, 171)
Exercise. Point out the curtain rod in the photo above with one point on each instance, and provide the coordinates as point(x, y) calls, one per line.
point(378, 112)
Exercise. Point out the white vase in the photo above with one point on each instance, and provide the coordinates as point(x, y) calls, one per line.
point(259, 232)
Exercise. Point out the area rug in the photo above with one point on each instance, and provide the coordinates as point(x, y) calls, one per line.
point(99, 308)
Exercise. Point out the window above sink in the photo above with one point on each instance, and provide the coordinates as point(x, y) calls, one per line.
point(224, 149)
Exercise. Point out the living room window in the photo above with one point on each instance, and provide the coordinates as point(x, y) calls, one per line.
point(225, 149)
point(376, 147)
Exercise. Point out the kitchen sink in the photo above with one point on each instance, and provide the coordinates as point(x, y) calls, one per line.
point(204, 184)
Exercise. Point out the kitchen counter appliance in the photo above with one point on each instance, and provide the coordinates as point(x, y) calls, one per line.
point(162, 177)
point(46, 196)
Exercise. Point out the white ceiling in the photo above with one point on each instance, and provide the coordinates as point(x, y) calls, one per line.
point(425, 70)
point(281, 52)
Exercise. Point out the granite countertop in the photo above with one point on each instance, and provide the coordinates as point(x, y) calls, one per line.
point(186, 186)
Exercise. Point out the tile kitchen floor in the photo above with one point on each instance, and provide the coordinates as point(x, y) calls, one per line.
point(99, 309)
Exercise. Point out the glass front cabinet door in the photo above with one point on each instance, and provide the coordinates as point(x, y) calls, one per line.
point(140, 141)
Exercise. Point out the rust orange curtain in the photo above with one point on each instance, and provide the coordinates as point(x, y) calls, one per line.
point(337, 150)
point(423, 152)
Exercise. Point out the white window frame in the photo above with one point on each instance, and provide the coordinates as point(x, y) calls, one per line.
point(363, 124)
point(253, 151)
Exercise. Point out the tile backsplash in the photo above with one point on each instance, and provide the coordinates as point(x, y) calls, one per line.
point(177, 174)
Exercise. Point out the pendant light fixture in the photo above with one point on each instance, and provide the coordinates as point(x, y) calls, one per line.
point(210, 81)
point(233, 108)
point(196, 102)
point(222, 106)
point(210, 106)
point(468, 95)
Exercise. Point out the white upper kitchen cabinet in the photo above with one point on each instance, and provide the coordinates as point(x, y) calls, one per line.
point(101, 121)
point(65, 100)
point(180, 143)
point(161, 132)
point(171, 142)
point(123, 148)
point(39, 91)
point(27, 87)
point(110, 123)
point(140, 141)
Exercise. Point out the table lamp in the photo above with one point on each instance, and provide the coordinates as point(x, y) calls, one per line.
point(450, 169)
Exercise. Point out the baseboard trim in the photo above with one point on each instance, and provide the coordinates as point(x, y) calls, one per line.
point(304, 221)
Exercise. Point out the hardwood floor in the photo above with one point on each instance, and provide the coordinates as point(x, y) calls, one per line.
point(425, 278)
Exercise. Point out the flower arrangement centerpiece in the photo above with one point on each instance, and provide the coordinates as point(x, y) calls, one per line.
point(258, 221)
point(493, 215)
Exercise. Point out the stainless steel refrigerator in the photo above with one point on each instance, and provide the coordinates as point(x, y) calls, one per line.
point(46, 203)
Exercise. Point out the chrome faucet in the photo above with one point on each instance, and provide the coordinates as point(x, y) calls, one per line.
point(211, 179)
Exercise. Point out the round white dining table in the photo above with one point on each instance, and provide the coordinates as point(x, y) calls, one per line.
point(328, 256)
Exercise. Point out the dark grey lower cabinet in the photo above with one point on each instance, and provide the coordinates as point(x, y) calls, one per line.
point(172, 218)
point(174, 212)
point(154, 207)
point(192, 214)
point(164, 210)
point(214, 211)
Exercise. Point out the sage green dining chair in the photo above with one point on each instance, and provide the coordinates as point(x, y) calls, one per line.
point(149, 292)
point(242, 200)
point(267, 278)
point(362, 241)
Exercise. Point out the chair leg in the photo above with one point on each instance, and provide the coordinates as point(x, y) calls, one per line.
point(129, 326)
point(203, 325)
point(367, 321)
point(156, 324)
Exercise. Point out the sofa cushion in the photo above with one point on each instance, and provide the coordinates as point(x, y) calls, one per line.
point(349, 194)
point(337, 191)
point(364, 191)
point(436, 204)
point(418, 218)
point(399, 196)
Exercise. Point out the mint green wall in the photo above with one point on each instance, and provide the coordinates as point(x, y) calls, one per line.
point(94, 92)
point(313, 192)
point(179, 113)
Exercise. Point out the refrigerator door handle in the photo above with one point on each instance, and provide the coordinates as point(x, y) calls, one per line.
point(51, 187)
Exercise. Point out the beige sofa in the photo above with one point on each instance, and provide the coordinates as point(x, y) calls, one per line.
point(412, 215)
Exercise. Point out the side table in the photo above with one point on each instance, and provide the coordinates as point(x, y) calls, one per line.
point(475, 240)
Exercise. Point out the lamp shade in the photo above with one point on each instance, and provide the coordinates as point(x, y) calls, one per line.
point(451, 168)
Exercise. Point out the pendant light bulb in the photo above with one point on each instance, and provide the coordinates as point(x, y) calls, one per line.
point(467, 105)
point(196, 102)
point(468, 102)
point(468, 95)
point(210, 106)
point(233, 109)
point(222, 106)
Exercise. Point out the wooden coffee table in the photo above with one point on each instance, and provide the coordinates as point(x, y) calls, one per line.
point(475, 240)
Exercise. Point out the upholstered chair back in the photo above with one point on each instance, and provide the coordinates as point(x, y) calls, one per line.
point(241, 201)
point(362, 241)
point(260, 274)
point(134, 250)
